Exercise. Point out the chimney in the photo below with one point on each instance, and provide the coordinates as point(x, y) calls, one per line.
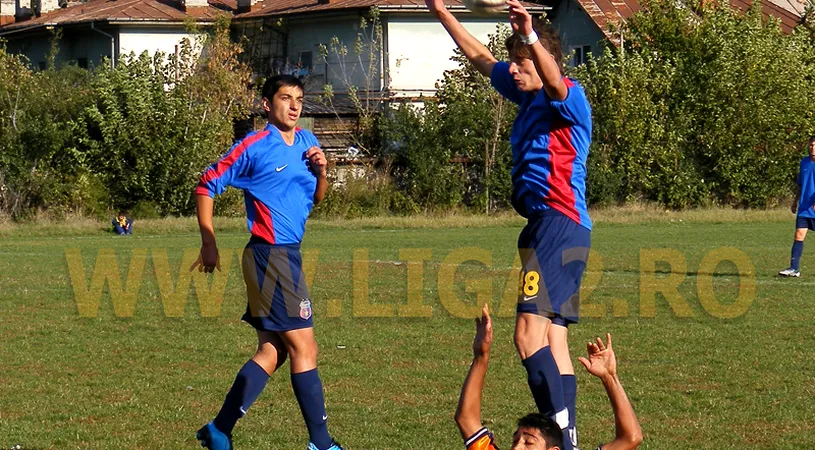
point(194, 6)
point(8, 9)
point(46, 6)
point(249, 5)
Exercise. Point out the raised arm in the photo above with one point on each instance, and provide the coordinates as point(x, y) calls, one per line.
point(318, 163)
point(468, 413)
point(478, 54)
point(602, 363)
point(548, 69)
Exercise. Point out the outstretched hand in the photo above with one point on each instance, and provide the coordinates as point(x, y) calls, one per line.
point(601, 361)
point(435, 6)
point(519, 18)
point(483, 333)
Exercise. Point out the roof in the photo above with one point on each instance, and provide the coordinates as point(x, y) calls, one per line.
point(286, 7)
point(603, 12)
point(135, 11)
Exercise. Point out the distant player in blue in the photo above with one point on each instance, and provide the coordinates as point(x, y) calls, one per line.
point(803, 204)
point(550, 143)
point(282, 173)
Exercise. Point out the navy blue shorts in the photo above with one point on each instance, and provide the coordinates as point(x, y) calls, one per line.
point(275, 287)
point(554, 250)
point(805, 222)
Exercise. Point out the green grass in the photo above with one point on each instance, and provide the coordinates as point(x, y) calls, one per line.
point(149, 381)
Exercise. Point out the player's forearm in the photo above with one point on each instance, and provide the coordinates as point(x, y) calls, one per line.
point(204, 206)
point(468, 414)
point(322, 188)
point(628, 433)
point(476, 52)
point(549, 71)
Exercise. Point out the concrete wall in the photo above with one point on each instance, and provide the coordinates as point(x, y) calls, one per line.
point(419, 50)
point(339, 71)
point(577, 29)
point(152, 40)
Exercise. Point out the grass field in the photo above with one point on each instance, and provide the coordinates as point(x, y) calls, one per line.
point(724, 360)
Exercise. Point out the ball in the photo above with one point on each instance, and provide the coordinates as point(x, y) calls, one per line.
point(485, 6)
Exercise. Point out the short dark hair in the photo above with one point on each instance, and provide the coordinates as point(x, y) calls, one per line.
point(548, 36)
point(811, 139)
point(273, 84)
point(549, 429)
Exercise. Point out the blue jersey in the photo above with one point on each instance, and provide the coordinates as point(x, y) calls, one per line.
point(806, 181)
point(278, 187)
point(550, 143)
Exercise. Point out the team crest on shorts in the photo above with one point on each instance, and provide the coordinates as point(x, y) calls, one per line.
point(305, 309)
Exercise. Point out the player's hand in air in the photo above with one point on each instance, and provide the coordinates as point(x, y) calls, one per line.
point(316, 160)
point(208, 260)
point(601, 361)
point(483, 333)
point(520, 18)
point(435, 6)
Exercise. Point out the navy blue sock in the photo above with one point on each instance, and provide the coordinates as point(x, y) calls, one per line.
point(308, 388)
point(797, 251)
point(546, 386)
point(570, 398)
point(245, 390)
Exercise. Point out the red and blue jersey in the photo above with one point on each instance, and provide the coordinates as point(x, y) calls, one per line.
point(278, 186)
point(550, 143)
point(806, 181)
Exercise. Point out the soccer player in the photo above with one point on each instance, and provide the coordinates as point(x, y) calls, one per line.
point(803, 205)
point(550, 143)
point(282, 172)
point(536, 431)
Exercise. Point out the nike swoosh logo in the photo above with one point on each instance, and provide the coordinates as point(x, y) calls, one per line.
point(278, 169)
point(526, 299)
point(325, 417)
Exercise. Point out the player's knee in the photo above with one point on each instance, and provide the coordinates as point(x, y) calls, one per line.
point(304, 352)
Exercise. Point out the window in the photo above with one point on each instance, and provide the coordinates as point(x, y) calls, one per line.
point(581, 54)
point(306, 61)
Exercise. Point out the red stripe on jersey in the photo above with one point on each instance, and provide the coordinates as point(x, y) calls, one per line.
point(227, 162)
point(202, 190)
point(568, 82)
point(563, 153)
point(262, 226)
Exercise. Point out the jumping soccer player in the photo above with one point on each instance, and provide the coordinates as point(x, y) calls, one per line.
point(282, 172)
point(536, 431)
point(804, 205)
point(550, 143)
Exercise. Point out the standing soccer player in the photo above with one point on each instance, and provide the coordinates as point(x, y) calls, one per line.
point(550, 143)
point(804, 205)
point(282, 172)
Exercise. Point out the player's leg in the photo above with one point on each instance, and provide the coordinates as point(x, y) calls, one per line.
point(251, 379)
point(797, 249)
point(307, 386)
point(558, 341)
point(532, 325)
point(294, 314)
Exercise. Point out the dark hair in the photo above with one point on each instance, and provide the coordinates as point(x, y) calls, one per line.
point(273, 84)
point(549, 429)
point(811, 139)
point(549, 39)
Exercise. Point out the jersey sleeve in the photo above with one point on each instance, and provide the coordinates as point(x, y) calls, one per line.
point(502, 81)
point(575, 107)
point(226, 172)
point(481, 440)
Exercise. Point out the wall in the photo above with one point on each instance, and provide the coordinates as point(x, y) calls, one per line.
point(305, 35)
point(419, 50)
point(576, 28)
point(152, 40)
